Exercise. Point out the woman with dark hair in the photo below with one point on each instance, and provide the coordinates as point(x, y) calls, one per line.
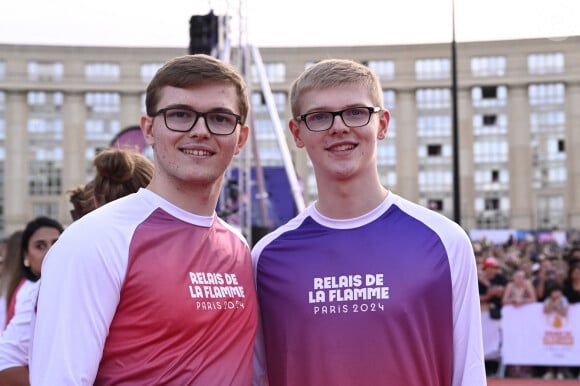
point(11, 274)
point(36, 239)
point(38, 236)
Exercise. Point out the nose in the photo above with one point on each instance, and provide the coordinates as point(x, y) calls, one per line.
point(199, 128)
point(338, 124)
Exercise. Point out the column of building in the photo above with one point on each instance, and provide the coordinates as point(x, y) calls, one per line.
point(406, 145)
point(74, 147)
point(520, 159)
point(17, 199)
point(466, 164)
point(573, 155)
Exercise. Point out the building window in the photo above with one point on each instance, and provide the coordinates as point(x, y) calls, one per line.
point(45, 134)
point(435, 204)
point(548, 93)
point(489, 92)
point(561, 146)
point(103, 102)
point(548, 121)
point(557, 174)
point(491, 203)
point(45, 71)
point(45, 100)
point(432, 69)
point(490, 151)
point(483, 177)
point(434, 150)
point(439, 180)
point(489, 119)
point(260, 106)
point(485, 66)
point(550, 211)
point(389, 97)
point(434, 126)
point(548, 63)
point(148, 70)
point(102, 72)
point(433, 98)
point(489, 96)
point(384, 69)
point(386, 153)
point(44, 178)
point(102, 123)
point(2, 70)
point(48, 209)
point(275, 73)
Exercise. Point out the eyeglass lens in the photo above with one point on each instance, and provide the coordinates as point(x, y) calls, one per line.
point(184, 120)
point(355, 117)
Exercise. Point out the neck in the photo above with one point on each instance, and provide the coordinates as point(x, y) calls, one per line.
point(349, 199)
point(200, 199)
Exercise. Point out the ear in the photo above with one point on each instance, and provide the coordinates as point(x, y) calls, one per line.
point(384, 119)
point(147, 129)
point(242, 138)
point(294, 126)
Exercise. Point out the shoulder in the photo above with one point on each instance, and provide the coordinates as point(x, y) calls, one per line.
point(293, 224)
point(449, 232)
point(430, 218)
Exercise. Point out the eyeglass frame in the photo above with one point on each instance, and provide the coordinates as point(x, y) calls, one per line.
point(371, 109)
point(198, 115)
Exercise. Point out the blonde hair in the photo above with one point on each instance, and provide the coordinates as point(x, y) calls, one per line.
point(335, 72)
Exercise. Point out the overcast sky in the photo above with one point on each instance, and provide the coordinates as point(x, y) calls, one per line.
point(281, 23)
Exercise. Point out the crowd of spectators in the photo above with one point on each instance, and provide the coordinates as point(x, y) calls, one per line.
point(524, 271)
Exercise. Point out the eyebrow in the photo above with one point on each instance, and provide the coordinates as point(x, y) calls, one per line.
point(328, 109)
point(188, 107)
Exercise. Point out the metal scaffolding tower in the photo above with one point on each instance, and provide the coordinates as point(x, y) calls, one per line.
point(249, 158)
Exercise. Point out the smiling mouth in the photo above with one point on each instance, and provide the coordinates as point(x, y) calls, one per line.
point(342, 148)
point(197, 153)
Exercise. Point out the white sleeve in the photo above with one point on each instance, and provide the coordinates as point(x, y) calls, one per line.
point(15, 341)
point(468, 361)
point(82, 275)
point(2, 314)
point(260, 377)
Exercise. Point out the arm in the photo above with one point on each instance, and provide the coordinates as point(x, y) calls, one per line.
point(260, 377)
point(507, 295)
point(15, 341)
point(562, 306)
point(15, 376)
point(540, 286)
point(81, 281)
point(260, 372)
point(530, 290)
point(468, 362)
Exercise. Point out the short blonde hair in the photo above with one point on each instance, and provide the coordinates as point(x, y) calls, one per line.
point(334, 72)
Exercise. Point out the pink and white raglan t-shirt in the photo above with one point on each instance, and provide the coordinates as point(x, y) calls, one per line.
point(388, 298)
point(140, 292)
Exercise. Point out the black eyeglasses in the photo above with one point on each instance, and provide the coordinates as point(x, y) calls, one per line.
point(352, 117)
point(183, 119)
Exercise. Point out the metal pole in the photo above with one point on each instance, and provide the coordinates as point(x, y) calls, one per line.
point(283, 146)
point(455, 120)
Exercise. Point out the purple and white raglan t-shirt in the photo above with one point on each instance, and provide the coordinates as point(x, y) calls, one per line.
point(388, 298)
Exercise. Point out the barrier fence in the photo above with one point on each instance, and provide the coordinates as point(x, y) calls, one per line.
point(526, 336)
